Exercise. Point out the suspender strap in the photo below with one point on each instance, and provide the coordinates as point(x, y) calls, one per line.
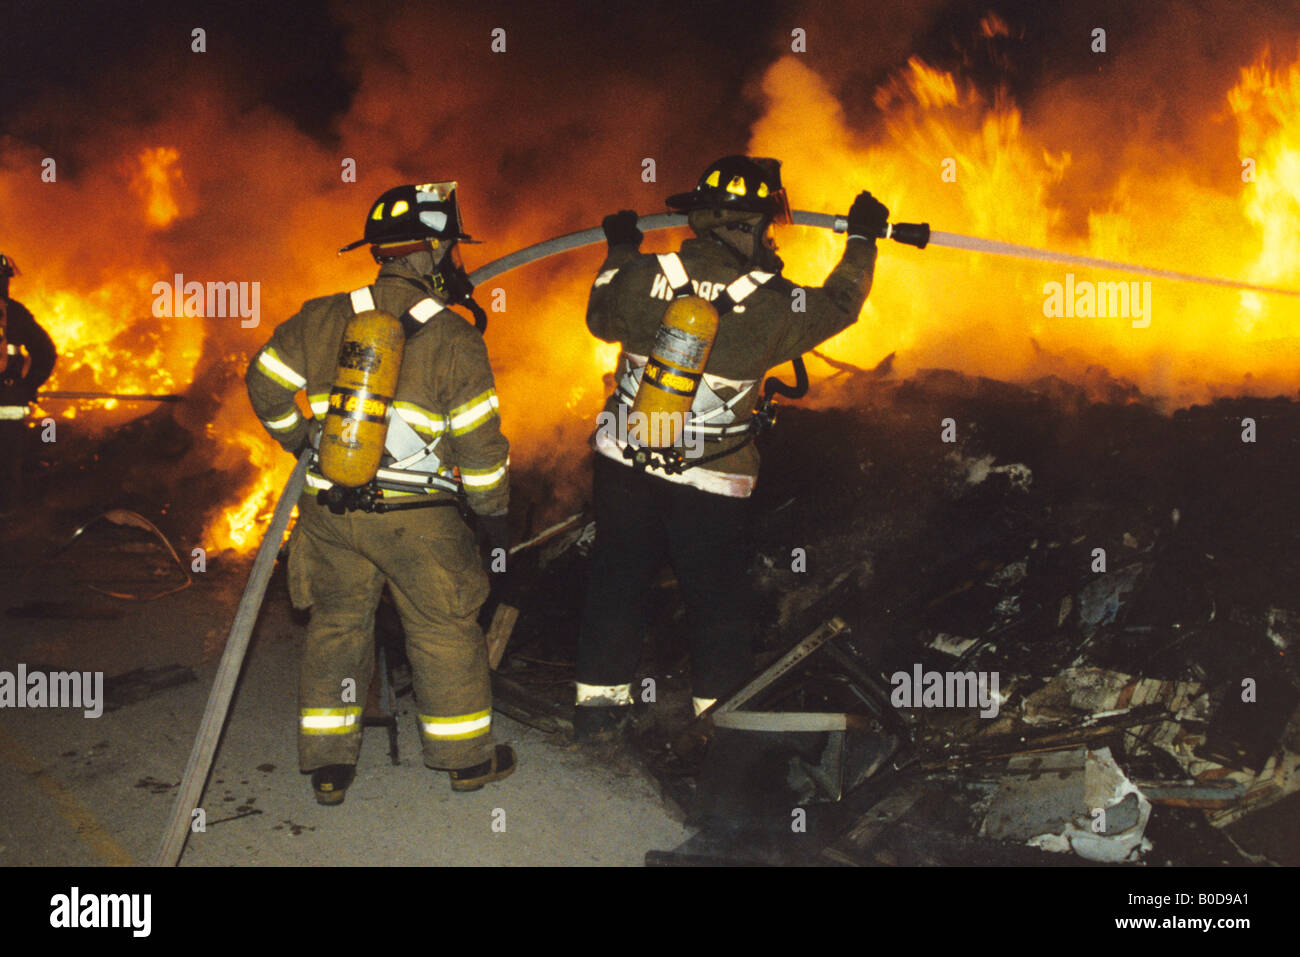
point(413, 320)
point(736, 292)
point(675, 272)
point(363, 299)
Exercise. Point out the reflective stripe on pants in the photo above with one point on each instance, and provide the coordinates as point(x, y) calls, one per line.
point(345, 720)
point(460, 727)
point(339, 565)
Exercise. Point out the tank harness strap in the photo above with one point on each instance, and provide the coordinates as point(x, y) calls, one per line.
point(415, 465)
point(675, 273)
point(363, 300)
point(727, 301)
point(413, 320)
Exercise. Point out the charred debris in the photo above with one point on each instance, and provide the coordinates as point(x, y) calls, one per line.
point(946, 674)
point(1066, 636)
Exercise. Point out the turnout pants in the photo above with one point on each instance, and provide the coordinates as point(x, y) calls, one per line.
point(642, 522)
point(338, 565)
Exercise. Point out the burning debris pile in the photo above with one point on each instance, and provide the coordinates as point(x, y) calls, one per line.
point(1040, 622)
point(129, 302)
point(1025, 623)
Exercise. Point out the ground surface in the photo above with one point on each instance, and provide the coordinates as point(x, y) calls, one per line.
point(985, 540)
point(82, 791)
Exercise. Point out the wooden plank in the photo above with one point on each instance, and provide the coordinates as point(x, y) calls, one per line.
point(232, 659)
point(498, 635)
point(880, 817)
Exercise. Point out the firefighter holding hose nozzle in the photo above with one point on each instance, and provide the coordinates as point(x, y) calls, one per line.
point(405, 421)
point(675, 463)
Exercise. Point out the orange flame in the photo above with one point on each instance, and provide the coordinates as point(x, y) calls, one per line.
point(945, 154)
point(969, 166)
point(158, 173)
point(240, 527)
point(105, 345)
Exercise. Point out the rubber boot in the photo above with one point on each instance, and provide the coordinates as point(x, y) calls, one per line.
point(502, 765)
point(600, 724)
point(331, 783)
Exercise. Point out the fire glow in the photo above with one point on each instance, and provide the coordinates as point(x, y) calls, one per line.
point(108, 341)
point(984, 315)
point(981, 315)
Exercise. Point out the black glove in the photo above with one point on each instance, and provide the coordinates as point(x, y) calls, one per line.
point(868, 217)
point(312, 438)
point(620, 229)
point(493, 533)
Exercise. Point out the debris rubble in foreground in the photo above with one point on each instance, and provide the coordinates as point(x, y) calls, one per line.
point(1062, 638)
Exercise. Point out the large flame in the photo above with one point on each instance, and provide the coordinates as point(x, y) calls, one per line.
point(984, 314)
point(108, 338)
point(105, 344)
point(175, 199)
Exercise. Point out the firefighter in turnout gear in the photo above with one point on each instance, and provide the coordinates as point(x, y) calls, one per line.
point(688, 504)
point(26, 360)
point(442, 447)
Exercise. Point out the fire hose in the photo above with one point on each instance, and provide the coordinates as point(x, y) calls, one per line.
point(913, 234)
point(104, 396)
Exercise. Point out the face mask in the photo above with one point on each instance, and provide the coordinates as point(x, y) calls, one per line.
point(421, 261)
point(765, 257)
point(449, 279)
point(451, 284)
point(759, 249)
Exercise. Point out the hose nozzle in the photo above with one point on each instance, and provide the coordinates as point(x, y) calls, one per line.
point(913, 234)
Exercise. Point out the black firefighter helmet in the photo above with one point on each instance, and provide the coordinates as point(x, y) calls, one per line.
point(744, 184)
point(412, 214)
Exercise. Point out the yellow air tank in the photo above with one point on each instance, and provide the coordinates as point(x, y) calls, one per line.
point(356, 422)
point(672, 373)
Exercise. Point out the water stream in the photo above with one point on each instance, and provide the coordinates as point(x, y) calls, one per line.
point(975, 244)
